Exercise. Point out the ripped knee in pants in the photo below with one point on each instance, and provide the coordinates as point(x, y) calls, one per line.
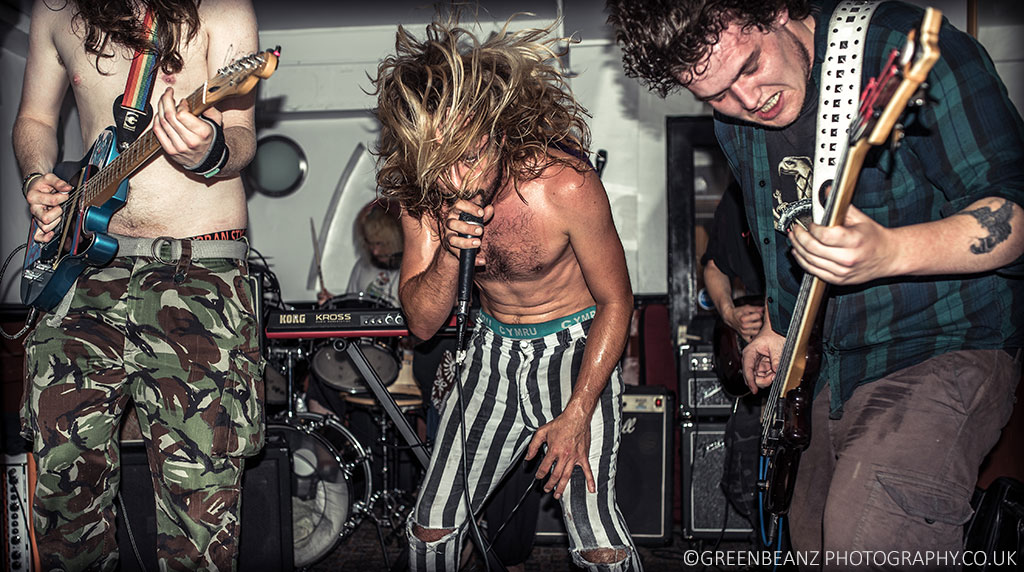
point(603, 559)
point(433, 549)
point(430, 534)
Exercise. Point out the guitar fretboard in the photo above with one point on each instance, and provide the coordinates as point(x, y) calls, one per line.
point(103, 186)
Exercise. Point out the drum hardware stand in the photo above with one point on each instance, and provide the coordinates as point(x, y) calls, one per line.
point(393, 502)
point(291, 356)
point(392, 417)
point(386, 400)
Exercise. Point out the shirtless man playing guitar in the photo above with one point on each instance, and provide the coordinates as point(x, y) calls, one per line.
point(169, 322)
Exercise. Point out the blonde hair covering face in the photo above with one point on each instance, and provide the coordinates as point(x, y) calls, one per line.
point(438, 98)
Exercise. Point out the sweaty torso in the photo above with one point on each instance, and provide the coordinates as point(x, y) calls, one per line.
point(163, 198)
point(532, 274)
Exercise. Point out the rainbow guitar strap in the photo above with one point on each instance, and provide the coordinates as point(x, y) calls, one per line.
point(132, 110)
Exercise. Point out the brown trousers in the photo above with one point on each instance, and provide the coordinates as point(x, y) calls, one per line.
point(897, 471)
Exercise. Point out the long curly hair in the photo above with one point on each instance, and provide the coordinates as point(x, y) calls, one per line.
point(438, 98)
point(108, 22)
point(666, 43)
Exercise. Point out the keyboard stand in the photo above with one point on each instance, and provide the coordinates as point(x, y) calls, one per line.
point(386, 400)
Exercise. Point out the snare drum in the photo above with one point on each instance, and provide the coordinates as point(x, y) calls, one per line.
point(330, 482)
point(335, 369)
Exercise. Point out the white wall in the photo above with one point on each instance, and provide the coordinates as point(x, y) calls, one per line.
point(279, 227)
point(13, 214)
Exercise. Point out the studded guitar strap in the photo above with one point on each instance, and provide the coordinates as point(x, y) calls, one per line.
point(839, 97)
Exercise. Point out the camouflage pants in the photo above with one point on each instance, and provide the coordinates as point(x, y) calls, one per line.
point(187, 355)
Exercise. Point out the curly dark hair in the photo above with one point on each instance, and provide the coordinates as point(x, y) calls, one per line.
point(437, 98)
point(663, 40)
point(109, 22)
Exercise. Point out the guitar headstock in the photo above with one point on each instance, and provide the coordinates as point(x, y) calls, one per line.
point(236, 78)
point(888, 95)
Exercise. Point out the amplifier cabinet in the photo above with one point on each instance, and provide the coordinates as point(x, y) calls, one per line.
point(17, 551)
point(702, 393)
point(644, 479)
point(706, 511)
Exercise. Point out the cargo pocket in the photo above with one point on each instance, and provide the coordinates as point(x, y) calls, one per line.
point(928, 498)
point(39, 344)
point(240, 428)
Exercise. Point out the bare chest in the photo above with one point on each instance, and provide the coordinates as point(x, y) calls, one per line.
point(518, 246)
point(98, 83)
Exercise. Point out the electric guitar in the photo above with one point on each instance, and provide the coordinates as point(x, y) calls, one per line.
point(728, 350)
point(786, 418)
point(100, 182)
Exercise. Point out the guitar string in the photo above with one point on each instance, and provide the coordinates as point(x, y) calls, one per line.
point(800, 306)
point(858, 127)
point(144, 146)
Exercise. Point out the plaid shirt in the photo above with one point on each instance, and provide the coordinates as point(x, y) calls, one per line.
point(966, 144)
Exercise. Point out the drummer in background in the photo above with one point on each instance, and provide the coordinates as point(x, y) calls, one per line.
point(376, 272)
point(374, 276)
point(379, 236)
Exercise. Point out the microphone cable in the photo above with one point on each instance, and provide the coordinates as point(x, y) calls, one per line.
point(467, 265)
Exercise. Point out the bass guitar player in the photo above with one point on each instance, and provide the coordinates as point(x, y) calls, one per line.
point(923, 327)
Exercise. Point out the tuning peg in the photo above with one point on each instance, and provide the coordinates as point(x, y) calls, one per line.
point(896, 140)
point(920, 96)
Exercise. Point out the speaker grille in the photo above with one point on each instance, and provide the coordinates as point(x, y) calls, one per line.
point(706, 511)
point(644, 479)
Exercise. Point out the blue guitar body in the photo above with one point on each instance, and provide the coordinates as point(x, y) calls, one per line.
point(80, 238)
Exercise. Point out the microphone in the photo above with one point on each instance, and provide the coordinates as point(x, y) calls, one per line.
point(467, 264)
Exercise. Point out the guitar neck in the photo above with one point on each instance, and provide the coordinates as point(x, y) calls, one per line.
point(101, 187)
point(792, 364)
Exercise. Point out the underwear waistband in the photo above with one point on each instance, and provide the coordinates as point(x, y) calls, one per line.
point(530, 331)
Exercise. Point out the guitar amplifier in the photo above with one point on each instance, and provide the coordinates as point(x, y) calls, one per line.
point(706, 511)
point(644, 478)
point(17, 552)
point(702, 392)
point(265, 540)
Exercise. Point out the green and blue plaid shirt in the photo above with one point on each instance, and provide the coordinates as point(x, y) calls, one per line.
point(966, 144)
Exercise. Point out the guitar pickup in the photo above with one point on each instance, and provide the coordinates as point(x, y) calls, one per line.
point(36, 271)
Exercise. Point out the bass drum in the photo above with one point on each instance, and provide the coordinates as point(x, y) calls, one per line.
point(335, 369)
point(330, 482)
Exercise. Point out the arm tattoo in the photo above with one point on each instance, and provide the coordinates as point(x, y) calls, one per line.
point(996, 222)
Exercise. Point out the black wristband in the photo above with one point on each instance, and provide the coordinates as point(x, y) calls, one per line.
point(216, 156)
point(28, 180)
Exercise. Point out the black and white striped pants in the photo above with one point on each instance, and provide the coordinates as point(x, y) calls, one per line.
point(510, 388)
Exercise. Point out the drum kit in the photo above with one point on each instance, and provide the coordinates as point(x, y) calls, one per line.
point(338, 481)
point(336, 370)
